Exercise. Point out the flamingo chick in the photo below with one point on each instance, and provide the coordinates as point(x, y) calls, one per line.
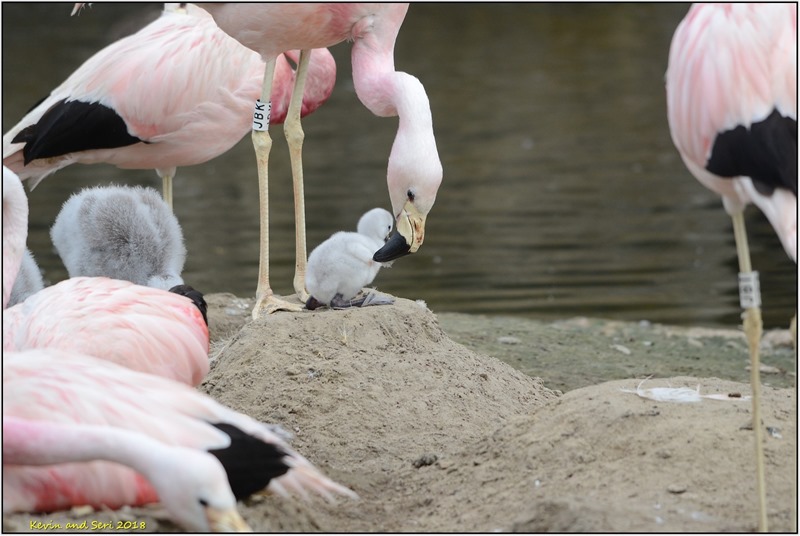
point(142, 328)
point(178, 92)
point(343, 264)
point(29, 279)
point(120, 232)
point(195, 454)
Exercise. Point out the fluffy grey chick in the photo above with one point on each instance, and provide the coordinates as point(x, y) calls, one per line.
point(29, 280)
point(342, 265)
point(121, 232)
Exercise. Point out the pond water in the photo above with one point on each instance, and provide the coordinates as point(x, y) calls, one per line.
point(563, 194)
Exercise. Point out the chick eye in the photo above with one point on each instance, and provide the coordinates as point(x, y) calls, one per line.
point(202, 502)
point(410, 194)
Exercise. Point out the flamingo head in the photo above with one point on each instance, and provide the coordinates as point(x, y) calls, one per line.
point(200, 499)
point(414, 177)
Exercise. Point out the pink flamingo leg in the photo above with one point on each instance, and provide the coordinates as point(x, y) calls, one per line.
point(294, 137)
point(266, 301)
point(166, 184)
point(753, 328)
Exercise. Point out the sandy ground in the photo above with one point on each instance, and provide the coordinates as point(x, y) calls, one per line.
point(436, 435)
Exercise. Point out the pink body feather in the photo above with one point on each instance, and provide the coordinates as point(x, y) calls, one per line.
point(65, 388)
point(142, 328)
point(180, 84)
point(730, 65)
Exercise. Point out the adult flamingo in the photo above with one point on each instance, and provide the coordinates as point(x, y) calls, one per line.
point(414, 171)
point(195, 455)
point(143, 328)
point(732, 110)
point(176, 93)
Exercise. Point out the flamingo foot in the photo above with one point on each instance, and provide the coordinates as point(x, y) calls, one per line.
point(364, 299)
point(374, 297)
point(270, 304)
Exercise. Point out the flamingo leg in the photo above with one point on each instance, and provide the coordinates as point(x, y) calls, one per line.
point(753, 330)
point(294, 137)
point(266, 301)
point(167, 189)
point(793, 513)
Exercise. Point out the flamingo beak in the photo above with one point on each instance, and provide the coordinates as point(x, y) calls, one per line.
point(226, 520)
point(408, 236)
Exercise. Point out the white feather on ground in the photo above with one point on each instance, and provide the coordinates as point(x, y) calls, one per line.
point(342, 265)
point(681, 395)
point(120, 232)
point(29, 280)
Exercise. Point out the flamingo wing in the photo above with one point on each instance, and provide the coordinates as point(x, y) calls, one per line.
point(203, 80)
point(142, 328)
point(64, 387)
point(732, 91)
point(732, 106)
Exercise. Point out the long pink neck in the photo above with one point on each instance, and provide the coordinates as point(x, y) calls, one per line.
point(385, 92)
point(28, 442)
point(15, 230)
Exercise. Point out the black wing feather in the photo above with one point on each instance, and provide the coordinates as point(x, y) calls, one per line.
point(74, 126)
point(766, 152)
point(249, 462)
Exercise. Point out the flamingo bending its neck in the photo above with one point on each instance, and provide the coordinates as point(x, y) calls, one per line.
point(195, 454)
point(732, 109)
point(190, 484)
point(414, 170)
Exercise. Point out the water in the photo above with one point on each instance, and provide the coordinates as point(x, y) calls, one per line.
point(563, 194)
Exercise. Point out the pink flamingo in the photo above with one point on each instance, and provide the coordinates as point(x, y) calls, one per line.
point(176, 93)
point(414, 171)
point(110, 436)
point(732, 110)
point(143, 328)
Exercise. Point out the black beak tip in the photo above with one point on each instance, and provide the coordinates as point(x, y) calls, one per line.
point(395, 248)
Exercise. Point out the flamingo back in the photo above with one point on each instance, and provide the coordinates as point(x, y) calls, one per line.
point(730, 65)
point(142, 328)
point(180, 84)
point(732, 106)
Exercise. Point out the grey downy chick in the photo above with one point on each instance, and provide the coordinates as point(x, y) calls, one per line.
point(29, 280)
point(342, 265)
point(120, 232)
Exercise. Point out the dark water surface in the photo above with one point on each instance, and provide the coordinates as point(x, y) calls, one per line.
point(563, 194)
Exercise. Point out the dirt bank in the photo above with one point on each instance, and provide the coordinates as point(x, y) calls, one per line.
point(435, 436)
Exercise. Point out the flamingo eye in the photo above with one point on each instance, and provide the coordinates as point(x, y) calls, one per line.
point(410, 195)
